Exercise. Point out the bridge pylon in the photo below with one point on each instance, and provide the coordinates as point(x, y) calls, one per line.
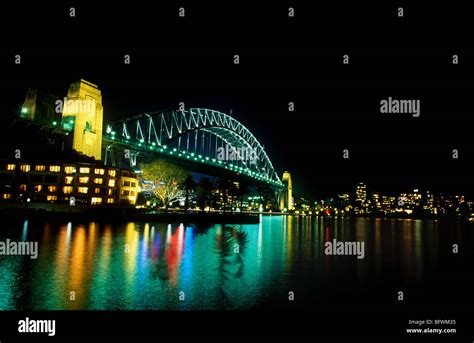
point(286, 195)
point(83, 115)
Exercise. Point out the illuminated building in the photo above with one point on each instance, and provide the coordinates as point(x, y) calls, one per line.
point(388, 204)
point(360, 198)
point(361, 192)
point(83, 115)
point(343, 202)
point(128, 187)
point(60, 183)
point(429, 202)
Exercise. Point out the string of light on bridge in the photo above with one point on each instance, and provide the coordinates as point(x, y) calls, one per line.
point(192, 156)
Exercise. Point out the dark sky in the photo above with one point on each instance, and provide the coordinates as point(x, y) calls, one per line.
point(337, 106)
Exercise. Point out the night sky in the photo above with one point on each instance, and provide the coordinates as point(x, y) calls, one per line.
point(337, 106)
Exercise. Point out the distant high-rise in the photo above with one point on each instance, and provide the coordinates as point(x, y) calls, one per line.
point(361, 193)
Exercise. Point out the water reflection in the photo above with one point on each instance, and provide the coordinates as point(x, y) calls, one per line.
point(149, 265)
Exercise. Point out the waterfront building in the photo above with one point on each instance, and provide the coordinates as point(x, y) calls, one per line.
point(77, 183)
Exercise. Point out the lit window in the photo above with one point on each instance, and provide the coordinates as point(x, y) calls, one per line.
point(110, 200)
point(84, 179)
point(97, 190)
point(132, 193)
point(40, 168)
point(22, 188)
point(7, 196)
point(68, 180)
point(51, 189)
point(110, 192)
point(38, 188)
point(51, 198)
point(69, 170)
point(99, 171)
point(54, 169)
point(98, 180)
point(112, 183)
point(67, 189)
point(25, 168)
point(112, 173)
point(96, 201)
point(84, 170)
point(10, 167)
point(82, 190)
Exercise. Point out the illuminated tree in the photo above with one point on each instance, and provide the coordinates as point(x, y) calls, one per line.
point(167, 179)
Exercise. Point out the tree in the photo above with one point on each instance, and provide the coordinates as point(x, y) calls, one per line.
point(242, 191)
point(268, 197)
point(166, 179)
point(188, 184)
point(205, 188)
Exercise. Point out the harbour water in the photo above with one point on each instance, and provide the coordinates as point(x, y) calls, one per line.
point(151, 266)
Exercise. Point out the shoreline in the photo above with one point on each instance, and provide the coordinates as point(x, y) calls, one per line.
point(60, 212)
point(116, 214)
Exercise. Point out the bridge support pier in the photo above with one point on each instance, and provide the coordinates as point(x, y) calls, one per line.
point(286, 195)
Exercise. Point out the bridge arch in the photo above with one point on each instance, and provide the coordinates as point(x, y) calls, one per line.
point(200, 134)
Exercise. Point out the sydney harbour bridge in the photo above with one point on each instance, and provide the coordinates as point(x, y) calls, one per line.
point(195, 138)
point(199, 139)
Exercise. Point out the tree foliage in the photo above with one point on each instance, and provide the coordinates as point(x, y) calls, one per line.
point(167, 179)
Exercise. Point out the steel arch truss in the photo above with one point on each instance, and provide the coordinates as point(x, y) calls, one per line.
point(204, 135)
